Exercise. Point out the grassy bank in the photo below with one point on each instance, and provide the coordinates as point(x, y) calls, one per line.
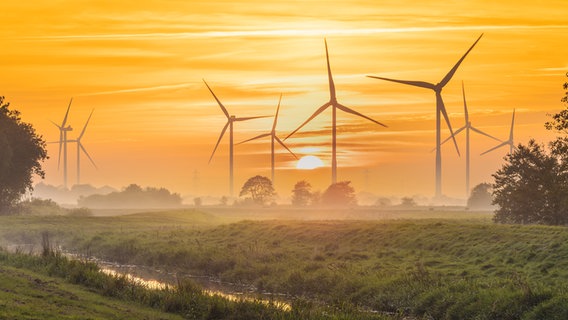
point(443, 268)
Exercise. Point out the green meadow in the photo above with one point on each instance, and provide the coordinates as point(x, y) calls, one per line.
point(337, 264)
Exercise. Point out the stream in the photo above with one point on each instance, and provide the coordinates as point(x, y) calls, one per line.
point(158, 279)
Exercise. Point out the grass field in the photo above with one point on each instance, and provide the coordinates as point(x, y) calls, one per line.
point(427, 264)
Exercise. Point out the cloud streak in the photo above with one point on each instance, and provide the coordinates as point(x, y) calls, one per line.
point(134, 90)
point(284, 33)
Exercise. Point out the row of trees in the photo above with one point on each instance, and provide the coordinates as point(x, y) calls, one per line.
point(259, 190)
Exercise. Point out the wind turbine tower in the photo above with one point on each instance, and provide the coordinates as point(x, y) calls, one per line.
point(80, 148)
point(63, 142)
point(440, 111)
point(334, 104)
point(230, 120)
point(467, 127)
point(273, 137)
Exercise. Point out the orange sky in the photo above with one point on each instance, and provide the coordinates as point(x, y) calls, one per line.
point(140, 65)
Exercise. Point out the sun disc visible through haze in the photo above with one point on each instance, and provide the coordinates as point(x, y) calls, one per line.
point(309, 163)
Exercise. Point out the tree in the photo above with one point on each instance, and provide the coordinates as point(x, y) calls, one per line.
point(339, 194)
point(259, 188)
point(530, 187)
point(407, 202)
point(22, 152)
point(302, 193)
point(480, 197)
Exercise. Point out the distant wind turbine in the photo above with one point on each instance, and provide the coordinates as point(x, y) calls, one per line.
point(273, 137)
point(63, 143)
point(80, 148)
point(467, 127)
point(229, 124)
point(510, 142)
point(335, 105)
point(440, 110)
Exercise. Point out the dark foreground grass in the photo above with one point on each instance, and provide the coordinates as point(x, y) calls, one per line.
point(26, 294)
point(429, 268)
point(32, 288)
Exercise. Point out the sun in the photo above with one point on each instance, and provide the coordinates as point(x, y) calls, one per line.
point(309, 163)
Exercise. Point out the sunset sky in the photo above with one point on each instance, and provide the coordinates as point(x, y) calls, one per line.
point(140, 65)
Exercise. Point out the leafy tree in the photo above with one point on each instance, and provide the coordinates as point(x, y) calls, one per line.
point(480, 197)
point(407, 202)
point(530, 187)
point(302, 193)
point(197, 201)
point(259, 188)
point(339, 194)
point(21, 155)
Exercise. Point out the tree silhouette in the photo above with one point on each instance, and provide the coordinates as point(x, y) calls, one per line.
point(302, 193)
point(259, 188)
point(339, 194)
point(21, 153)
point(530, 187)
point(480, 197)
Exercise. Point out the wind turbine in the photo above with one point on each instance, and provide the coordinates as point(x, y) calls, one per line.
point(230, 120)
point(335, 105)
point(273, 137)
point(80, 148)
point(63, 143)
point(467, 127)
point(510, 142)
point(440, 109)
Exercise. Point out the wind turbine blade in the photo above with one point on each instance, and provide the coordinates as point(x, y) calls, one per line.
point(450, 74)
point(504, 143)
point(318, 111)
point(330, 77)
point(512, 126)
point(276, 115)
point(56, 125)
point(219, 140)
point(442, 108)
point(66, 113)
point(250, 118)
point(257, 137)
point(85, 127)
point(420, 84)
point(455, 134)
point(217, 99)
point(349, 110)
point(485, 134)
point(465, 106)
point(282, 144)
point(87, 154)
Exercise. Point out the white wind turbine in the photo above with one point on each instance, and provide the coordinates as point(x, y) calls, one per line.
point(334, 104)
point(63, 143)
point(467, 127)
point(230, 120)
point(510, 142)
point(80, 148)
point(440, 110)
point(273, 137)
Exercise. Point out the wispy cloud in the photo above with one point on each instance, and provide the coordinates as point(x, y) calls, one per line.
point(144, 89)
point(286, 32)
